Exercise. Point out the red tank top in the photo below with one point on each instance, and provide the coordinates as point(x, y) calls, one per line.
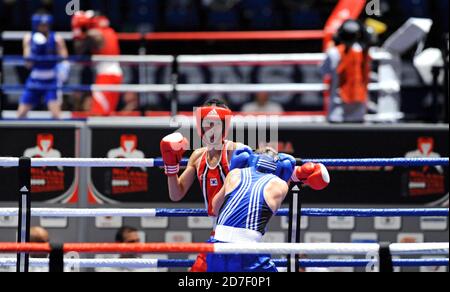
point(353, 72)
point(212, 179)
point(111, 46)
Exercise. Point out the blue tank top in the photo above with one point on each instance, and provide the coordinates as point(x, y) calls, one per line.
point(246, 206)
point(42, 68)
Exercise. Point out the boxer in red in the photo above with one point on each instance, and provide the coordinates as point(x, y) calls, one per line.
point(94, 36)
point(210, 165)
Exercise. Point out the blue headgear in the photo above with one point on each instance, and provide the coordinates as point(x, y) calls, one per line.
point(282, 165)
point(266, 164)
point(39, 19)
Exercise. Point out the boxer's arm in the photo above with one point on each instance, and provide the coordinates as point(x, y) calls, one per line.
point(27, 50)
point(179, 186)
point(231, 182)
point(80, 47)
point(62, 48)
point(26, 45)
point(275, 193)
point(218, 201)
point(95, 39)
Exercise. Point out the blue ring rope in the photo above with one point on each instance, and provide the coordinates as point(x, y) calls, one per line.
point(317, 212)
point(361, 162)
point(356, 263)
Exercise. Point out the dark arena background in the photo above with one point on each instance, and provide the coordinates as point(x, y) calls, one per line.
point(92, 92)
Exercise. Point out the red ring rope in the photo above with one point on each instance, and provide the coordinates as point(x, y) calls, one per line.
point(226, 36)
point(110, 248)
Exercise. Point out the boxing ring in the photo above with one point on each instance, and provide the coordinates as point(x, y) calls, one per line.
point(383, 255)
point(376, 254)
point(175, 88)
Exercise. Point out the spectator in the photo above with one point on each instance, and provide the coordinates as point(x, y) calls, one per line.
point(262, 104)
point(39, 235)
point(128, 235)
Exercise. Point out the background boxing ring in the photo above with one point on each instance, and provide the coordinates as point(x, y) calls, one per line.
point(177, 93)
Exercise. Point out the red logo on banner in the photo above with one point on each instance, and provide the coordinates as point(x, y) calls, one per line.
point(128, 180)
point(45, 180)
point(428, 180)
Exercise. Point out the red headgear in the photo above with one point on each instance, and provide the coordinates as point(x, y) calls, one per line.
point(214, 113)
point(99, 21)
point(80, 23)
point(80, 19)
point(45, 142)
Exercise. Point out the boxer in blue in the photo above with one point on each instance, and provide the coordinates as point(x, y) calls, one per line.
point(253, 192)
point(45, 75)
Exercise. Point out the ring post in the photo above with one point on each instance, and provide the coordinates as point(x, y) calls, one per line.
point(385, 258)
point(142, 71)
point(294, 228)
point(445, 53)
point(56, 261)
point(2, 96)
point(23, 234)
point(174, 98)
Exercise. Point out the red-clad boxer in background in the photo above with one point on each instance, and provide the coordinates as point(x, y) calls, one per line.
point(94, 36)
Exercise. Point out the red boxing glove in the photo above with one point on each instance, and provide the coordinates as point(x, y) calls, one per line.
point(80, 24)
point(315, 176)
point(172, 150)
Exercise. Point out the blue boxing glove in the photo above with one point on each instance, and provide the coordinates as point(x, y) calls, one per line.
point(286, 166)
point(241, 158)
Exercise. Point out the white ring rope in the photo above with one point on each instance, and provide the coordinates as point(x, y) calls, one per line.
point(275, 88)
point(305, 58)
point(152, 59)
point(81, 213)
point(89, 263)
point(80, 162)
point(138, 263)
point(331, 248)
point(390, 86)
point(140, 88)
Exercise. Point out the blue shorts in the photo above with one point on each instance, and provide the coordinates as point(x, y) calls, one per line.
point(237, 263)
point(34, 97)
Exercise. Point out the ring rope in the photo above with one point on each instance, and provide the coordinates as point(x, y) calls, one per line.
point(158, 162)
point(242, 59)
point(198, 36)
point(150, 59)
point(200, 88)
point(179, 213)
point(160, 263)
point(397, 249)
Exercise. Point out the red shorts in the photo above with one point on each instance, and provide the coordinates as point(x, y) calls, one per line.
point(105, 103)
point(201, 265)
